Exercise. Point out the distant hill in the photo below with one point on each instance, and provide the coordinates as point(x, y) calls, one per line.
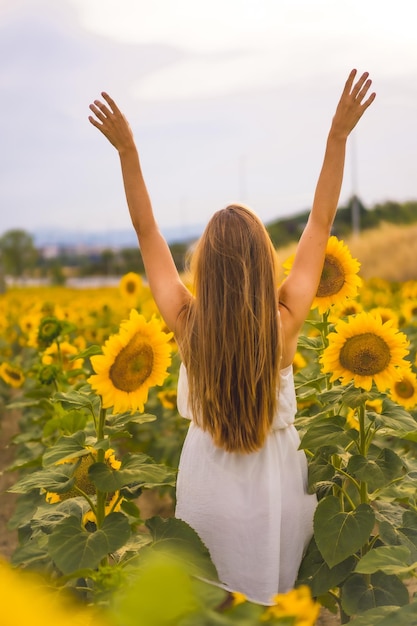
point(116, 239)
point(285, 231)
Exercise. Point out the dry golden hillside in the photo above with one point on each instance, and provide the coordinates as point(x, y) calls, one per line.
point(389, 252)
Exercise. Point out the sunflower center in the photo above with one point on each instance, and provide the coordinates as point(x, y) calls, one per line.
point(404, 389)
point(349, 310)
point(365, 354)
point(131, 286)
point(133, 365)
point(332, 277)
point(13, 375)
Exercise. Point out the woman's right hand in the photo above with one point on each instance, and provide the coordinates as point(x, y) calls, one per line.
point(112, 123)
point(352, 105)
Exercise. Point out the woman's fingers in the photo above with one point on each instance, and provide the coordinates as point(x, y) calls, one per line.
point(113, 106)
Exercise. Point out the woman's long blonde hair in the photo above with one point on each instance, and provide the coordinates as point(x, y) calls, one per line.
point(231, 339)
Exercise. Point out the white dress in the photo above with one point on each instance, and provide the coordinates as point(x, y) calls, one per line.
point(252, 511)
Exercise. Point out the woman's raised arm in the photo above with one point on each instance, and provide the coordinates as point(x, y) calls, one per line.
point(168, 290)
point(299, 289)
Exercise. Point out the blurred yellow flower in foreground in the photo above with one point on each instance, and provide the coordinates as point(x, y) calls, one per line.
point(26, 599)
point(297, 604)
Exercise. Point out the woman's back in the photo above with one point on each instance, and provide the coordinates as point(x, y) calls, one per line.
point(230, 331)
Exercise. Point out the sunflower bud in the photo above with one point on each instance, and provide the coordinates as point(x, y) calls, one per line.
point(49, 329)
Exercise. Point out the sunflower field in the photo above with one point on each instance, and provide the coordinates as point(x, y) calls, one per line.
point(92, 375)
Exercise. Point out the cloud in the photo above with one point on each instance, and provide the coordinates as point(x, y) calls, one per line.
point(239, 111)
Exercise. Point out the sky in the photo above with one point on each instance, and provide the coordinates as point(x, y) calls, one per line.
point(229, 100)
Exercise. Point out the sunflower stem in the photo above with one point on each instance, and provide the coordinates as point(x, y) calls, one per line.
point(363, 449)
point(325, 328)
point(87, 497)
point(59, 354)
point(100, 431)
point(101, 495)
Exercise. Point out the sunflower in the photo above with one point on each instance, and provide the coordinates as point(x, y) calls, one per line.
point(404, 390)
point(339, 278)
point(363, 350)
point(81, 476)
point(409, 310)
point(113, 504)
point(130, 286)
point(299, 362)
point(50, 328)
point(62, 355)
point(350, 307)
point(409, 289)
point(168, 398)
point(133, 360)
point(12, 375)
point(386, 314)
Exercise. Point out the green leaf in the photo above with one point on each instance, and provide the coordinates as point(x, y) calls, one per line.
point(392, 536)
point(388, 616)
point(116, 424)
point(410, 436)
point(403, 490)
point(339, 394)
point(32, 553)
point(67, 424)
point(72, 548)
point(67, 447)
point(378, 471)
point(326, 433)
point(359, 596)
point(90, 351)
point(160, 593)
point(53, 479)
point(130, 508)
point(81, 398)
point(173, 535)
point(320, 470)
point(315, 572)
point(133, 470)
point(395, 420)
point(340, 534)
point(310, 343)
point(388, 559)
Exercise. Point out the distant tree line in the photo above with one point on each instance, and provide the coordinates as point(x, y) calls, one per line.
point(288, 230)
point(19, 256)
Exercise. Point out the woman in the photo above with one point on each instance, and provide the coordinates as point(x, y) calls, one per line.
point(242, 480)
